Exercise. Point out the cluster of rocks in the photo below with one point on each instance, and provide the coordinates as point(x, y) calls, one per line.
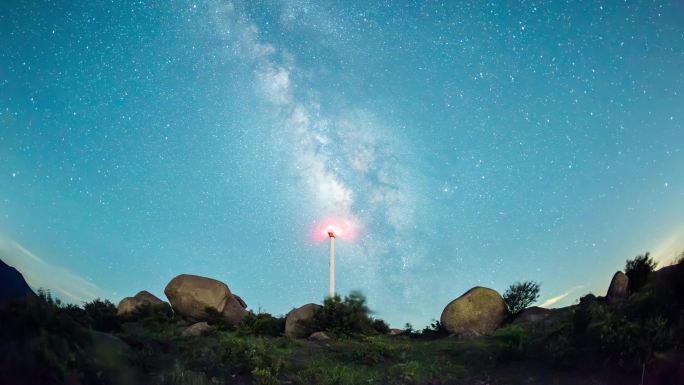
point(478, 311)
point(482, 310)
point(197, 299)
point(200, 299)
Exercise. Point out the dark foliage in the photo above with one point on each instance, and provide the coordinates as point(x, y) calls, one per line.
point(44, 341)
point(261, 324)
point(638, 270)
point(520, 295)
point(434, 330)
point(345, 317)
point(102, 314)
point(218, 320)
point(151, 314)
point(380, 326)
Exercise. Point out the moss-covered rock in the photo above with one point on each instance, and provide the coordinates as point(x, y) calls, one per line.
point(480, 310)
point(129, 304)
point(618, 290)
point(296, 319)
point(192, 295)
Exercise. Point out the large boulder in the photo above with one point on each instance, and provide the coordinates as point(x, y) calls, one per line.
point(480, 310)
point(196, 329)
point(618, 291)
point(295, 319)
point(192, 295)
point(129, 304)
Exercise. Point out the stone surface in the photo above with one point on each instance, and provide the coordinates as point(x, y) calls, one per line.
point(240, 300)
point(293, 326)
point(480, 310)
point(618, 290)
point(319, 336)
point(191, 295)
point(130, 304)
point(532, 315)
point(196, 329)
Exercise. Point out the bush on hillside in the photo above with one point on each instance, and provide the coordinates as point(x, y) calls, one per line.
point(151, 314)
point(261, 324)
point(638, 270)
point(520, 295)
point(634, 341)
point(434, 330)
point(346, 317)
point(103, 315)
point(217, 320)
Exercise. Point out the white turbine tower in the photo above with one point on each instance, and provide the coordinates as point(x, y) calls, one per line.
point(331, 288)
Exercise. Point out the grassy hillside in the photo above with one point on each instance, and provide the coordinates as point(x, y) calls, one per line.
point(44, 341)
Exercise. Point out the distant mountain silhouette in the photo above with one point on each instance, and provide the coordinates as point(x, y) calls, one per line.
point(12, 284)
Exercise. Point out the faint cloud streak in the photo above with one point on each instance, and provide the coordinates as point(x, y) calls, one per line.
point(669, 249)
point(38, 273)
point(553, 300)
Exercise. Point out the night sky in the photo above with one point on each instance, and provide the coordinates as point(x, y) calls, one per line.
point(453, 143)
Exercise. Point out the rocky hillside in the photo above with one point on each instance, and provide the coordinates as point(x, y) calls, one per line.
point(12, 284)
point(206, 334)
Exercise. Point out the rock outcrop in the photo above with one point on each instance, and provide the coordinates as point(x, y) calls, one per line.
point(319, 336)
point(191, 295)
point(12, 285)
point(480, 310)
point(293, 322)
point(618, 291)
point(532, 315)
point(129, 304)
point(196, 329)
point(240, 301)
point(541, 317)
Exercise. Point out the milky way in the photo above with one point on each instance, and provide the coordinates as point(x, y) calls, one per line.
point(467, 144)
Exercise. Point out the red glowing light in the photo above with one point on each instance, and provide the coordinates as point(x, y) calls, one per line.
point(334, 227)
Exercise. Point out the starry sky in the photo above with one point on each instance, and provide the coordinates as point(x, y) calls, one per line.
point(454, 143)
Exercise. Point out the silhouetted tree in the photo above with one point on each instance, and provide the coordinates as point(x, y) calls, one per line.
point(103, 315)
point(346, 317)
point(520, 295)
point(638, 271)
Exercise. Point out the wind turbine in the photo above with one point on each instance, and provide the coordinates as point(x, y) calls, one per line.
point(331, 287)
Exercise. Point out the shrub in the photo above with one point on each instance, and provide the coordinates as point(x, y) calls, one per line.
point(218, 320)
point(42, 343)
point(328, 375)
point(560, 349)
point(263, 376)
point(380, 326)
point(434, 330)
point(513, 342)
point(638, 270)
point(151, 314)
point(373, 351)
point(261, 324)
point(103, 315)
point(520, 295)
point(344, 317)
point(635, 342)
